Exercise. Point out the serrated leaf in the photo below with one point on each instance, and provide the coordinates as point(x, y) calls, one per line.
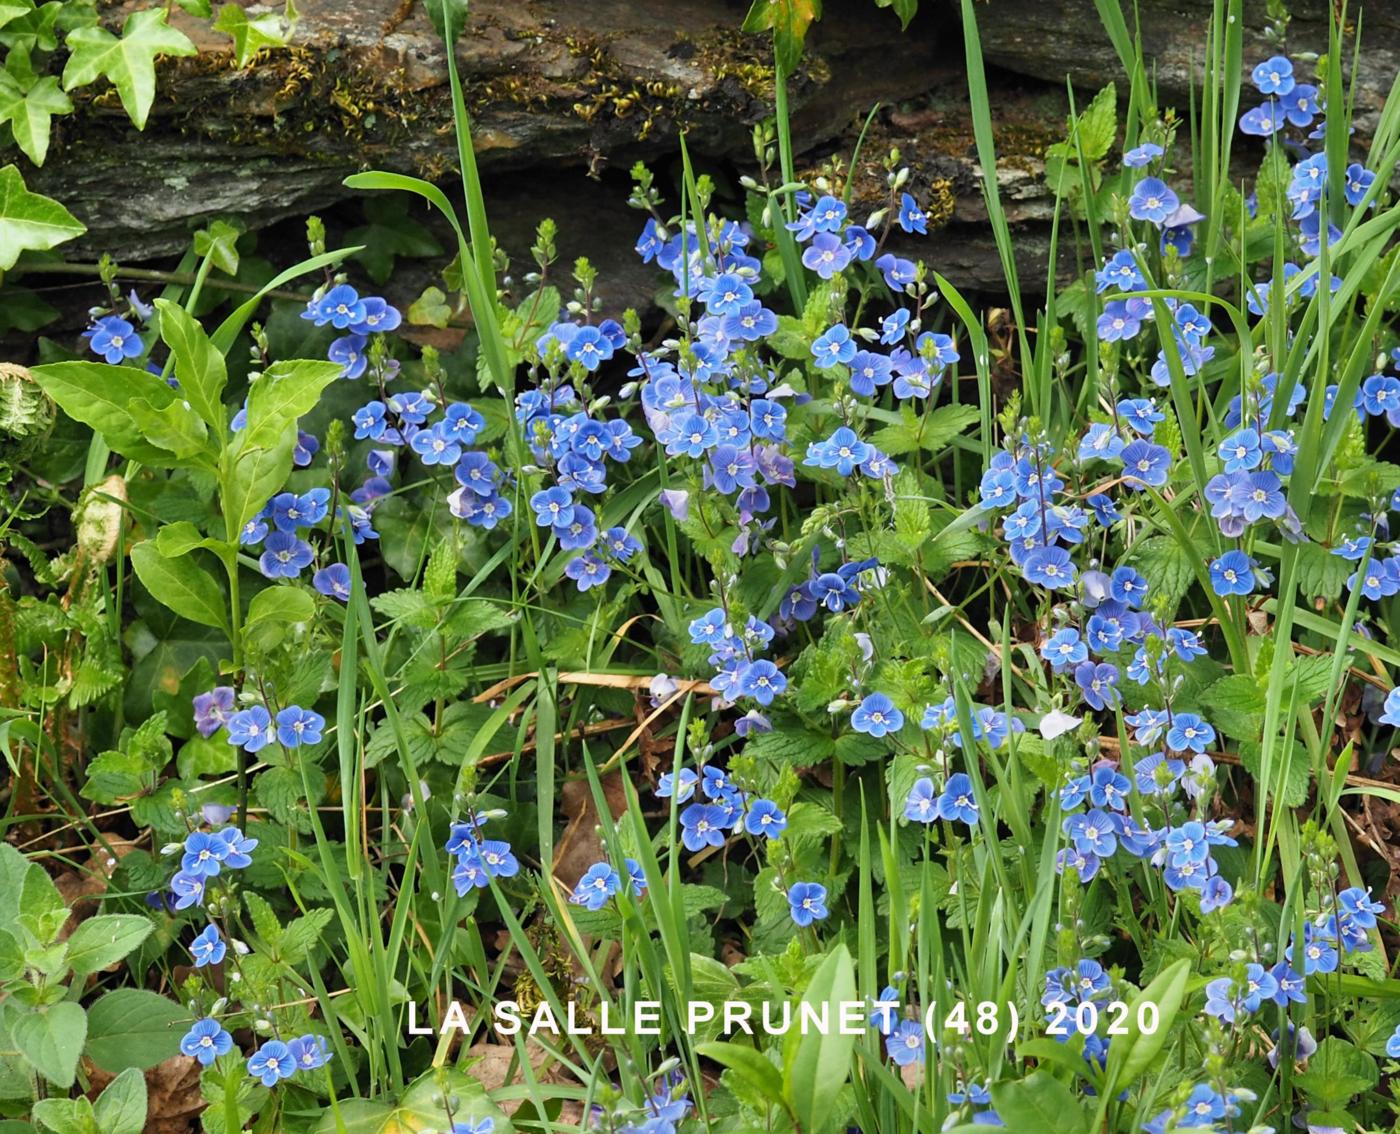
point(30, 222)
point(129, 62)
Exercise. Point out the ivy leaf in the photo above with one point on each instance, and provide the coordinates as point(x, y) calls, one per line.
point(30, 114)
point(129, 62)
point(251, 36)
point(220, 243)
point(430, 309)
point(30, 221)
point(13, 10)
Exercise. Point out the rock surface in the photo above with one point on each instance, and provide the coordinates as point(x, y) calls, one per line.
point(564, 89)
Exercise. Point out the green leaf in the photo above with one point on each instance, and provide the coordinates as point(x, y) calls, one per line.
point(131, 1027)
point(904, 9)
point(1337, 1072)
point(13, 10)
point(13, 869)
point(789, 21)
point(129, 62)
point(175, 428)
point(51, 1039)
point(42, 909)
point(1098, 124)
point(1134, 1053)
point(1039, 1102)
point(220, 243)
point(30, 222)
point(745, 1063)
point(199, 367)
point(104, 940)
point(1166, 567)
point(100, 396)
point(30, 112)
point(121, 1108)
point(282, 604)
point(430, 309)
point(66, 1116)
point(817, 1064)
point(254, 474)
point(285, 391)
point(181, 584)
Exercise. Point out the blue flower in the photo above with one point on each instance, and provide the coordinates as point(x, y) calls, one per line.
point(1391, 714)
point(1392, 1045)
point(251, 729)
point(188, 890)
point(590, 347)
point(285, 556)
point(681, 785)
point(807, 903)
point(899, 273)
point(435, 446)
point(1274, 76)
point(761, 680)
point(958, 803)
point(765, 819)
point(597, 886)
point(1049, 567)
point(1099, 684)
point(1152, 200)
point(297, 726)
point(1189, 733)
point(833, 347)
point(842, 451)
point(877, 716)
point(911, 218)
point(1064, 648)
point(114, 339)
point(478, 1126)
point(208, 948)
point(1145, 464)
point(727, 294)
point(309, 1052)
point(1142, 155)
point(1263, 121)
point(1122, 319)
point(206, 1041)
point(905, 1043)
point(379, 316)
point(203, 855)
point(826, 255)
point(702, 825)
point(893, 326)
point(333, 581)
point(1359, 181)
point(240, 846)
point(271, 1062)
point(1232, 574)
point(349, 351)
point(1121, 271)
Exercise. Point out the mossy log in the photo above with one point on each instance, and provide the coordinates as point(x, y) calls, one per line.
point(551, 84)
point(561, 89)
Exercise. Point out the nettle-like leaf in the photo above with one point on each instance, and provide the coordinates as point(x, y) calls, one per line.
point(129, 63)
point(30, 222)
